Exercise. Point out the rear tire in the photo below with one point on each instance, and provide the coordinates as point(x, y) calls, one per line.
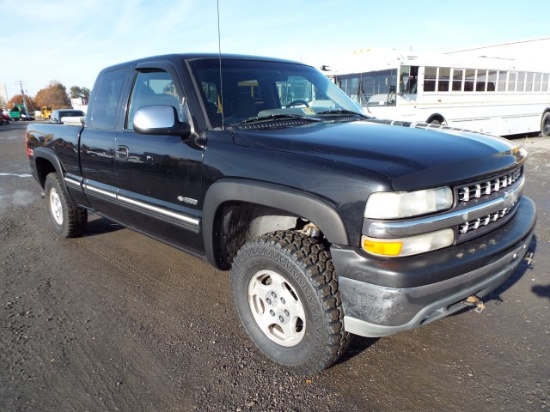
point(68, 220)
point(287, 298)
point(545, 125)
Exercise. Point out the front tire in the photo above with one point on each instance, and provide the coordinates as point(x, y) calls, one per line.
point(287, 298)
point(68, 220)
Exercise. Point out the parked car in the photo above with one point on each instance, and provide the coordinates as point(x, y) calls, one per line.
point(4, 117)
point(58, 114)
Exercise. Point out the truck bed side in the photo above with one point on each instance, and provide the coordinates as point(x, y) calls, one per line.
point(55, 144)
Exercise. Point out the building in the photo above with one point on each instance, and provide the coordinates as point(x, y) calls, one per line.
point(3, 95)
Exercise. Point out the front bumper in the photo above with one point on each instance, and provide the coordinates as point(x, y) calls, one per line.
point(383, 297)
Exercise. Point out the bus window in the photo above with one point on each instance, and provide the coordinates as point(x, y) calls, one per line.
point(443, 79)
point(512, 82)
point(409, 80)
point(379, 87)
point(537, 81)
point(292, 89)
point(404, 79)
point(430, 76)
point(501, 85)
point(545, 82)
point(469, 81)
point(458, 75)
point(491, 80)
point(529, 82)
point(481, 80)
point(350, 85)
point(521, 82)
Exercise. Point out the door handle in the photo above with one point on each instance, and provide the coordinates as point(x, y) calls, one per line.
point(121, 152)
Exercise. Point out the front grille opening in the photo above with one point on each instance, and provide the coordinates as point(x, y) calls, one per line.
point(483, 221)
point(488, 187)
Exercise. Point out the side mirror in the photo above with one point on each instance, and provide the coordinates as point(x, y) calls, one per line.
point(160, 120)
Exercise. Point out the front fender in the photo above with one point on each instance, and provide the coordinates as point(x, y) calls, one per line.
point(290, 200)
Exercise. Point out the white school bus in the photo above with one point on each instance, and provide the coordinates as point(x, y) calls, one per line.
point(489, 95)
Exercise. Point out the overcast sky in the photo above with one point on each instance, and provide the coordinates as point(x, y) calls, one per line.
point(70, 41)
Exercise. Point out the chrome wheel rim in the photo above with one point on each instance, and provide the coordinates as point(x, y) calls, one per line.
point(56, 207)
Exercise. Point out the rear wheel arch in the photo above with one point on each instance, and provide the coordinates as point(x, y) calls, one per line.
point(46, 162)
point(260, 207)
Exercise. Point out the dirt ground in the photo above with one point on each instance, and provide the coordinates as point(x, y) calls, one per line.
point(115, 321)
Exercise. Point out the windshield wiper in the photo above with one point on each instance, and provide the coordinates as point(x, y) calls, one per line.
point(274, 117)
point(343, 112)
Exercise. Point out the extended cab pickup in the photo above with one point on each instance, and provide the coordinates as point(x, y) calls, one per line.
point(331, 222)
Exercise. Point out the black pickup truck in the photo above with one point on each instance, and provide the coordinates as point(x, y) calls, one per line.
point(330, 222)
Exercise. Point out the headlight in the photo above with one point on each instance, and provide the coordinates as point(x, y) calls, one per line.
point(408, 246)
point(396, 205)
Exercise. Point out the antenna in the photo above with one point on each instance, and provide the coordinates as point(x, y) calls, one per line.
point(220, 103)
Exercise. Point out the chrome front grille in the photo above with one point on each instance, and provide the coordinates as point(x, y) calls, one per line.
point(488, 187)
point(483, 221)
point(483, 206)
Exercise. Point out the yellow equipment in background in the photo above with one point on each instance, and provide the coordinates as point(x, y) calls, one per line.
point(45, 112)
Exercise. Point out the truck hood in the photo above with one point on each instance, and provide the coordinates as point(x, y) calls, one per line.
point(412, 158)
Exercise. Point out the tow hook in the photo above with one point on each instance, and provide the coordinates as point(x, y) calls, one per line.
point(529, 259)
point(475, 301)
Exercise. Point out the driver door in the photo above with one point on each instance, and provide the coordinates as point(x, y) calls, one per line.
point(159, 176)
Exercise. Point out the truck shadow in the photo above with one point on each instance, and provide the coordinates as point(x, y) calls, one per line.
point(356, 346)
point(542, 291)
point(98, 225)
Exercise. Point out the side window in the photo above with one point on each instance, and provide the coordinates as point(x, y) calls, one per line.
point(430, 76)
point(107, 98)
point(443, 78)
point(153, 88)
point(469, 80)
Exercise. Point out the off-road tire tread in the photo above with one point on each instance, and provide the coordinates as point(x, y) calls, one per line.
point(314, 259)
point(76, 217)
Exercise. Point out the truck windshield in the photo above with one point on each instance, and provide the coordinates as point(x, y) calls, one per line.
point(256, 89)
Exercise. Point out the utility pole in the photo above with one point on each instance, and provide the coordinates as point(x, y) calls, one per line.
point(23, 95)
point(25, 103)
